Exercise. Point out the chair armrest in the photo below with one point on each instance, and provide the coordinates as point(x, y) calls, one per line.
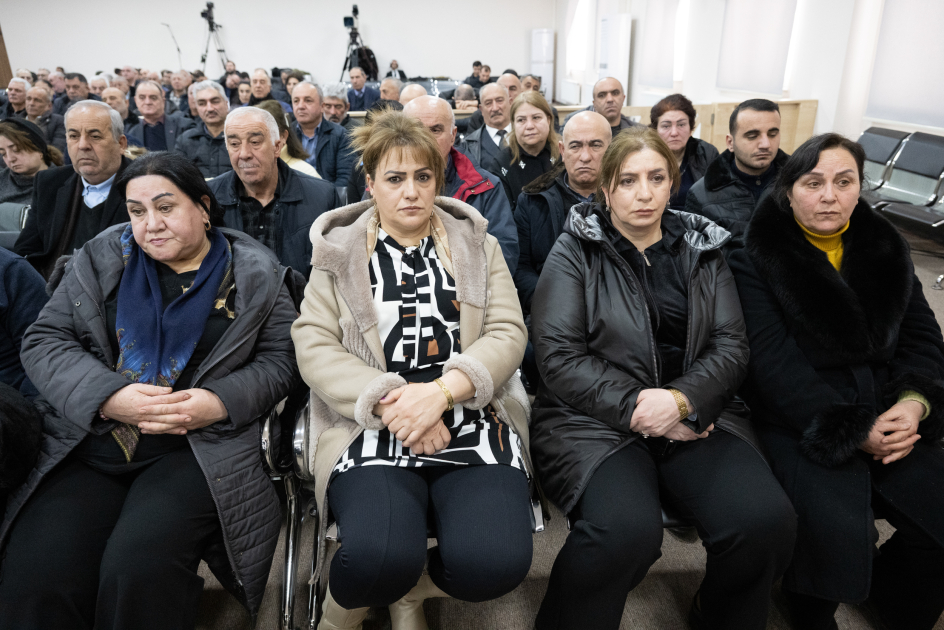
point(300, 461)
point(270, 443)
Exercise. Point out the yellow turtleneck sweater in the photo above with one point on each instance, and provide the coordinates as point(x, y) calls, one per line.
point(830, 245)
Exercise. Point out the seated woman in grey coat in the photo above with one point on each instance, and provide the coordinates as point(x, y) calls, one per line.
point(25, 152)
point(165, 341)
point(640, 340)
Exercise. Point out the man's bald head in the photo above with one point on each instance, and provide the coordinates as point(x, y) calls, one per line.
point(511, 83)
point(411, 91)
point(436, 115)
point(586, 138)
point(583, 123)
point(608, 99)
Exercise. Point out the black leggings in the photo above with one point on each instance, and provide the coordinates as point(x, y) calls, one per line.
point(109, 551)
point(481, 519)
point(744, 518)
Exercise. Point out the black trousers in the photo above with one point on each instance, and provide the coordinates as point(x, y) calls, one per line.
point(907, 586)
point(744, 518)
point(481, 519)
point(92, 550)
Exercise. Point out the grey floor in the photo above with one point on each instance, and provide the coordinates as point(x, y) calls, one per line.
point(661, 602)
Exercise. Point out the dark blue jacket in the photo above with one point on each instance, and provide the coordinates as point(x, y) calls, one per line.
point(539, 216)
point(362, 103)
point(22, 297)
point(302, 200)
point(480, 189)
point(333, 158)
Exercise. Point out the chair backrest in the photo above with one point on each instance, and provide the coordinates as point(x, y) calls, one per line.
point(917, 170)
point(880, 146)
point(923, 155)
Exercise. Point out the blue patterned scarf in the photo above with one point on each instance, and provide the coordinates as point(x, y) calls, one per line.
point(155, 343)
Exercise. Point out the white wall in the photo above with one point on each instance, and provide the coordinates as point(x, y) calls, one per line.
point(815, 65)
point(427, 37)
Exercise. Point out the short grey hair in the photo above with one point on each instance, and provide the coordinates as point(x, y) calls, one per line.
point(396, 82)
point(321, 94)
point(46, 91)
point(117, 124)
point(100, 77)
point(56, 73)
point(26, 84)
point(157, 86)
point(338, 91)
point(264, 72)
point(258, 114)
point(464, 92)
point(492, 85)
point(209, 85)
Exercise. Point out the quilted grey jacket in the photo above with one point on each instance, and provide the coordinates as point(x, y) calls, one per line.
point(67, 356)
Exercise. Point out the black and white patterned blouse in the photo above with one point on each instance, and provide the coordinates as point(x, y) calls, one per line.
point(418, 321)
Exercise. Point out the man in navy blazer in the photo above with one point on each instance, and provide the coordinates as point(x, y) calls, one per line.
point(359, 96)
point(155, 130)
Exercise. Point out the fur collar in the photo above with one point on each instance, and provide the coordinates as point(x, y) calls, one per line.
point(719, 173)
point(546, 181)
point(854, 313)
point(340, 246)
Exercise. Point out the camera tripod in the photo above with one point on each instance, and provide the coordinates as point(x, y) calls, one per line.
point(350, 59)
point(213, 34)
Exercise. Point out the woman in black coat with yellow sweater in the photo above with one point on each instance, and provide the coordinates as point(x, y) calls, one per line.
point(846, 385)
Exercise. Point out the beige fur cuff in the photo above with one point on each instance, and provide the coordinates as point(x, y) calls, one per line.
point(478, 374)
point(371, 395)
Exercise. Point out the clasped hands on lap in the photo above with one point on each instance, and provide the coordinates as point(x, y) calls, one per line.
point(657, 415)
point(156, 409)
point(413, 413)
point(900, 423)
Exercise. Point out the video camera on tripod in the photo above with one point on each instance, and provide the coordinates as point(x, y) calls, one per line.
point(357, 54)
point(212, 35)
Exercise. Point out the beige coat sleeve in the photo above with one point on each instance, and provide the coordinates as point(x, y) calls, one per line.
point(344, 381)
point(493, 358)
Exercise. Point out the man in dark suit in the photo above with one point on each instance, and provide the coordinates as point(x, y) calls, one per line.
point(39, 112)
point(72, 204)
point(483, 144)
point(326, 142)
point(359, 96)
point(156, 130)
point(395, 71)
point(77, 89)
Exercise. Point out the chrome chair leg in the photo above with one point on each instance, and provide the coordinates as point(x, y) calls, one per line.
point(290, 570)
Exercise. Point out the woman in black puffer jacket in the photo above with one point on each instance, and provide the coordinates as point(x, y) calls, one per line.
point(641, 343)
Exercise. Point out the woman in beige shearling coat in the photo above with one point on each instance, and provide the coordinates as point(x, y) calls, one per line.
point(409, 337)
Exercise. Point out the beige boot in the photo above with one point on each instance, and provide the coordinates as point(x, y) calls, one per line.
point(407, 612)
point(334, 617)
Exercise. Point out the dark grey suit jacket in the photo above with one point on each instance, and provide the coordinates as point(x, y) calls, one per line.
point(174, 126)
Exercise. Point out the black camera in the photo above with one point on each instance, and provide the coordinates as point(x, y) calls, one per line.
point(207, 14)
point(350, 20)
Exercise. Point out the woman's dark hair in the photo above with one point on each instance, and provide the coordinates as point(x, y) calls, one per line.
point(806, 157)
point(180, 171)
point(672, 103)
point(298, 75)
point(292, 144)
